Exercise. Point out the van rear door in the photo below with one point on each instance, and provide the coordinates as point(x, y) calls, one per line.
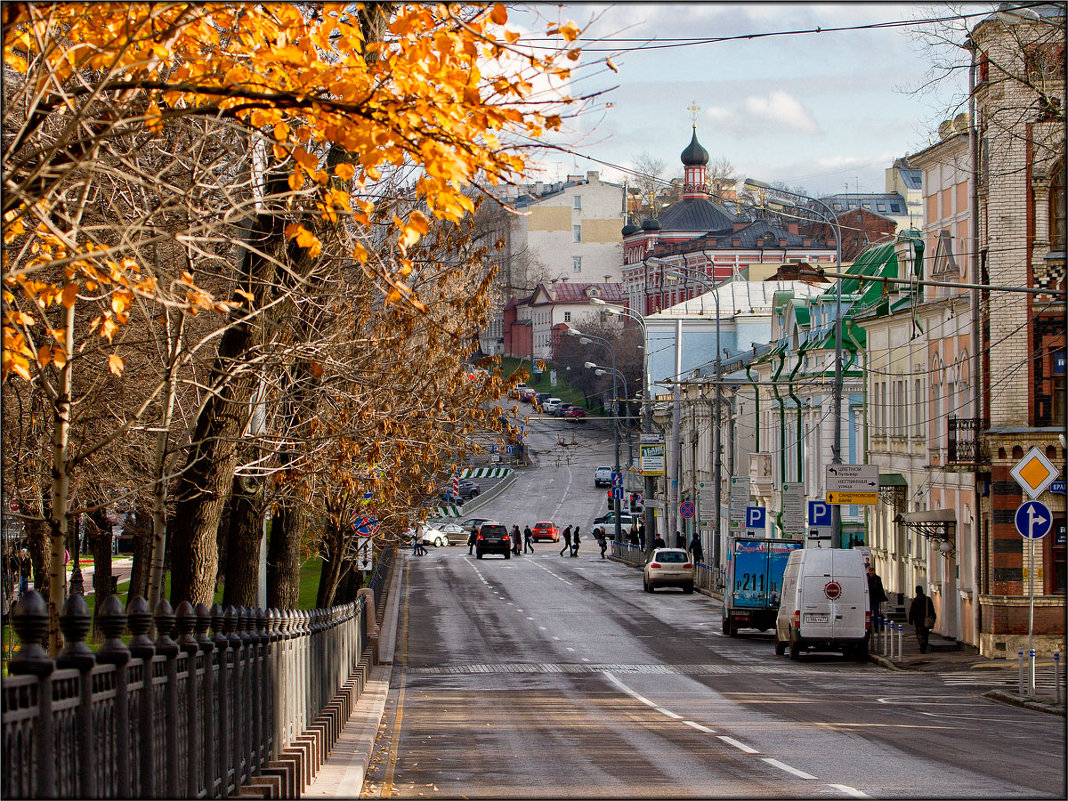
point(816, 613)
point(849, 619)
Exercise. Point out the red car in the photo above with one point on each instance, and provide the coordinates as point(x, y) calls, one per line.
point(546, 530)
point(576, 414)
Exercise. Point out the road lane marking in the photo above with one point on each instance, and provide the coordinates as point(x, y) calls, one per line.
point(851, 791)
point(736, 744)
point(783, 766)
point(570, 649)
point(638, 696)
point(699, 727)
point(559, 578)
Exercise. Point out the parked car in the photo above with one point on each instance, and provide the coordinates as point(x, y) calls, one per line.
point(626, 519)
point(668, 567)
point(526, 394)
point(517, 391)
point(546, 530)
point(472, 522)
point(561, 409)
point(550, 405)
point(455, 532)
point(468, 489)
point(435, 536)
point(576, 414)
point(603, 476)
point(493, 537)
point(540, 398)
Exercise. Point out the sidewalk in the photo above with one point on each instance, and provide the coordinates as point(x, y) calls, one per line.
point(945, 655)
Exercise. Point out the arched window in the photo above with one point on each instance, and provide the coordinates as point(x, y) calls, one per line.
point(1056, 210)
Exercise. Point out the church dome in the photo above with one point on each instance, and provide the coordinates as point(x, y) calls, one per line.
point(630, 228)
point(649, 224)
point(694, 155)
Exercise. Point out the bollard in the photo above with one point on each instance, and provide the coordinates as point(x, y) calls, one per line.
point(1020, 660)
point(1031, 676)
point(886, 638)
point(1057, 676)
point(900, 641)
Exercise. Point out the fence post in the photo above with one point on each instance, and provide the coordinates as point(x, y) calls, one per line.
point(233, 701)
point(185, 622)
point(1057, 676)
point(243, 695)
point(209, 738)
point(168, 648)
point(259, 690)
point(111, 620)
point(139, 620)
point(30, 621)
point(1020, 662)
point(222, 741)
point(75, 623)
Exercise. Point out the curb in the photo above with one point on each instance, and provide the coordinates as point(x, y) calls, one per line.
point(1016, 700)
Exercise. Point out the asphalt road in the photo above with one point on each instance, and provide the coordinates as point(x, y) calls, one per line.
point(549, 677)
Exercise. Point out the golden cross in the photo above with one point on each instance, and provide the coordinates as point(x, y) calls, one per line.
point(693, 108)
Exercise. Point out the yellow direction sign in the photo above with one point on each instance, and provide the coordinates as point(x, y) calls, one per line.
point(1034, 473)
point(853, 497)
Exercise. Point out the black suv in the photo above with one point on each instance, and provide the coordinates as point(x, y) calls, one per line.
point(493, 538)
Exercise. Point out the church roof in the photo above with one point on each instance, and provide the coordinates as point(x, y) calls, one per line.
point(697, 214)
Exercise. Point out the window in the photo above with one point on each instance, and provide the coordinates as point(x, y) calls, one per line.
point(567, 317)
point(896, 207)
point(576, 264)
point(578, 201)
point(578, 233)
point(880, 207)
point(1056, 210)
point(836, 206)
point(917, 408)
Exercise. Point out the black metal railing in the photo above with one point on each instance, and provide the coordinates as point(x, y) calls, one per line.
point(193, 716)
point(963, 444)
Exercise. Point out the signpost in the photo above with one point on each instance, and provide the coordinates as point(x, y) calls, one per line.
point(652, 455)
point(739, 500)
point(687, 509)
point(793, 509)
point(756, 520)
point(1034, 473)
point(1033, 521)
point(852, 483)
point(819, 523)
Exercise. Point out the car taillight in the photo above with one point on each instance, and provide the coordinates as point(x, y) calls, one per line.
point(479, 536)
point(867, 620)
point(688, 564)
point(504, 537)
point(654, 564)
point(797, 618)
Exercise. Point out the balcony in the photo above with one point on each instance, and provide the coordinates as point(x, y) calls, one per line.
point(760, 472)
point(964, 447)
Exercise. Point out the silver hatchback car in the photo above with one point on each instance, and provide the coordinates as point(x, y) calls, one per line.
point(669, 567)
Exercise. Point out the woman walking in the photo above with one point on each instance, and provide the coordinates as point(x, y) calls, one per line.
point(517, 540)
point(575, 542)
point(922, 616)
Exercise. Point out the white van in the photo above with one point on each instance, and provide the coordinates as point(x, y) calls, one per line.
point(824, 603)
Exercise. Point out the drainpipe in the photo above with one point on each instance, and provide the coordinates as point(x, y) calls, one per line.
point(782, 417)
point(797, 406)
point(756, 403)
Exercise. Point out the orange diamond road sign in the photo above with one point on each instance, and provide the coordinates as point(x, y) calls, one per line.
point(1034, 473)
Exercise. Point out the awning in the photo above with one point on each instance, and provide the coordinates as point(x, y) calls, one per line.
point(939, 524)
point(930, 516)
point(892, 480)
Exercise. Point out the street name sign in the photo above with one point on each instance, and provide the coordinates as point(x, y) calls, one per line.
point(852, 483)
point(1034, 473)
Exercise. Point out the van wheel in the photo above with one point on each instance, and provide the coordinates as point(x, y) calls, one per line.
point(860, 652)
point(795, 647)
point(780, 648)
point(688, 589)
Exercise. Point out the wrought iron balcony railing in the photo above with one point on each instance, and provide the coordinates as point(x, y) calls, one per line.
point(964, 445)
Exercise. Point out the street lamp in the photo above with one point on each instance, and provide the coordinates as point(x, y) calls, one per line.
point(836, 449)
point(586, 339)
point(717, 474)
point(650, 481)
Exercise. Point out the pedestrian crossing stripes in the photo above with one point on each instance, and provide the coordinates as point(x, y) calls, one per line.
point(485, 472)
point(1007, 679)
point(661, 669)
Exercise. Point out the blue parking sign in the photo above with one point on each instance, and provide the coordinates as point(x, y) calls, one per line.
point(756, 517)
point(819, 514)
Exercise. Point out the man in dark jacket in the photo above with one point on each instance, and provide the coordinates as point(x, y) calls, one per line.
point(528, 539)
point(567, 542)
point(876, 593)
point(697, 550)
point(922, 616)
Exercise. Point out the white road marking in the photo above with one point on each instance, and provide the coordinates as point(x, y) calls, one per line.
point(699, 727)
point(738, 745)
point(639, 697)
point(559, 578)
point(529, 618)
point(783, 766)
point(851, 791)
point(571, 649)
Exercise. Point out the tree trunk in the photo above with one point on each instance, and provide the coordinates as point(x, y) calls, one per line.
point(330, 576)
point(139, 574)
point(100, 544)
point(38, 544)
point(244, 535)
point(283, 557)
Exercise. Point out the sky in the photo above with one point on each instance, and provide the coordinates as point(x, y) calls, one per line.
point(818, 111)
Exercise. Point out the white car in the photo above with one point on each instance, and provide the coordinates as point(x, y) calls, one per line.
point(435, 536)
point(668, 567)
point(603, 476)
point(551, 405)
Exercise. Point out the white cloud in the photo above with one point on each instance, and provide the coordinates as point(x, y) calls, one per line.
point(780, 108)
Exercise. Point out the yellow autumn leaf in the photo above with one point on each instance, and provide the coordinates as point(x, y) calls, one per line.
point(344, 171)
point(498, 14)
point(70, 294)
point(609, 63)
point(153, 118)
point(116, 363)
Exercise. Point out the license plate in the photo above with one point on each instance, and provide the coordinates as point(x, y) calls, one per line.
point(815, 618)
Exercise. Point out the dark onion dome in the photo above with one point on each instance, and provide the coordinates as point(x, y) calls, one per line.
point(694, 155)
point(697, 214)
point(649, 224)
point(630, 228)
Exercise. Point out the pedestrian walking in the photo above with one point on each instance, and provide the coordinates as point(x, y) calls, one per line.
point(641, 536)
point(575, 542)
point(680, 539)
point(658, 542)
point(922, 616)
point(697, 551)
point(567, 540)
point(528, 539)
point(602, 540)
point(876, 593)
point(517, 541)
point(471, 539)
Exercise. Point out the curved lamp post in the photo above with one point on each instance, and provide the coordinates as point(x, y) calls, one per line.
point(836, 449)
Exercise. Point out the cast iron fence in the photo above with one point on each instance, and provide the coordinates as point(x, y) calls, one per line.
point(194, 716)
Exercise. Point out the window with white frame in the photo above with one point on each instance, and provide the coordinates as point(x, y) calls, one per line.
point(578, 201)
point(576, 264)
point(567, 317)
point(578, 232)
point(917, 408)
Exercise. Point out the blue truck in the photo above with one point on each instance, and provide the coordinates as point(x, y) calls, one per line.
point(753, 588)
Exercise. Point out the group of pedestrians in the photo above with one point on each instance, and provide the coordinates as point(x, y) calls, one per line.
point(522, 542)
point(571, 541)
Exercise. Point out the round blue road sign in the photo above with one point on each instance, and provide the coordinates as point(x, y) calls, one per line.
point(1033, 520)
